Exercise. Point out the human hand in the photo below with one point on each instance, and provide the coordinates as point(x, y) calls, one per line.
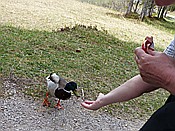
point(148, 44)
point(93, 105)
point(149, 38)
point(156, 68)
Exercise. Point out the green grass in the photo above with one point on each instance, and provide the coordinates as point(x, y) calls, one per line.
point(35, 54)
point(166, 24)
point(103, 63)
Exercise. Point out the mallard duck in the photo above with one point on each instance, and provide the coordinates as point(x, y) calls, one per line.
point(59, 88)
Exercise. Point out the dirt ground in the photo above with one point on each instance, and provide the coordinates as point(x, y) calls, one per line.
point(22, 113)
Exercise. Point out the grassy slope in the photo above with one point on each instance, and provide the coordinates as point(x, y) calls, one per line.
point(103, 63)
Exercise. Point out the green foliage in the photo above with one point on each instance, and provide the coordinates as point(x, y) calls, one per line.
point(171, 8)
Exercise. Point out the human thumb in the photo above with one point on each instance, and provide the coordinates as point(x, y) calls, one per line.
point(151, 52)
point(100, 95)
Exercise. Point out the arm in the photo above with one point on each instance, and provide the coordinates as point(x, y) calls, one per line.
point(156, 68)
point(129, 90)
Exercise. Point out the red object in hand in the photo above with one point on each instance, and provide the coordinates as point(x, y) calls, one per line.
point(148, 45)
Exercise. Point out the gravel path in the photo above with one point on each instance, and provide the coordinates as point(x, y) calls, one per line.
point(22, 113)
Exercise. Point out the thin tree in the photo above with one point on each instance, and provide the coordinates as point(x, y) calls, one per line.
point(130, 6)
point(144, 10)
point(147, 9)
point(162, 12)
point(150, 8)
point(136, 6)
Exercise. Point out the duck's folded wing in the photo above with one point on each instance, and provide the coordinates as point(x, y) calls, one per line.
point(62, 83)
point(62, 94)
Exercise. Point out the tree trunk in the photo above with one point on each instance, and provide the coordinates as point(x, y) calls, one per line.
point(150, 8)
point(159, 11)
point(129, 7)
point(162, 12)
point(137, 3)
point(147, 9)
point(144, 10)
point(166, 11)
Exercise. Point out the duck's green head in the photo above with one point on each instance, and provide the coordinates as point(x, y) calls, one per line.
point(72, 86)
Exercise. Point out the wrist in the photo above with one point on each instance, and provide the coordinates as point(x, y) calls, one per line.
point(101, 101)
point(170, 82)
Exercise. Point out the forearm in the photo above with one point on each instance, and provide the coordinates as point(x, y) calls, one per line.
point(127, 91)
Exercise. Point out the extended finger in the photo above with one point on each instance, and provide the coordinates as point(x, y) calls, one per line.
point(88, 102)
point(85, 105)
point(100, 95)
point(153, 53)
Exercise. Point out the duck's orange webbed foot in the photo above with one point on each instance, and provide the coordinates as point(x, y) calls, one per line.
point(46, 101)
point(58, 105)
